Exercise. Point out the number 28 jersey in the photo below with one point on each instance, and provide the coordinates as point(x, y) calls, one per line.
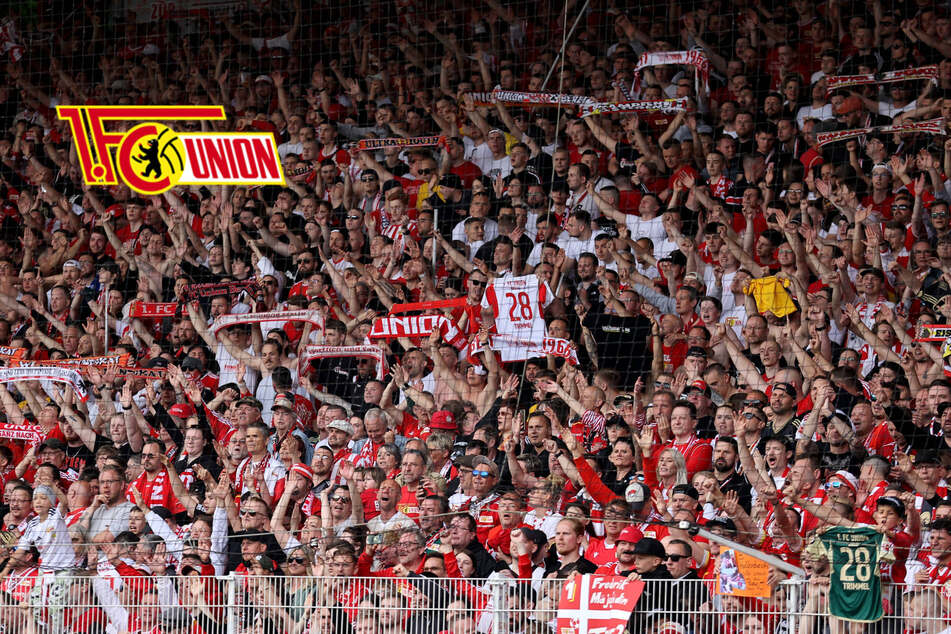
point(518, 305)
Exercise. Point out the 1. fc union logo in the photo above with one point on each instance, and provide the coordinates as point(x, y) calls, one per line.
point(152, 157)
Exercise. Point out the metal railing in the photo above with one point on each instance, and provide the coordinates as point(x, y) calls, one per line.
point(68, 603)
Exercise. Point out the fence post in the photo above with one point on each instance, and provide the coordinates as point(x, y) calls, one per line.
point(792, 602)
point(232, 595)
point(499, 616)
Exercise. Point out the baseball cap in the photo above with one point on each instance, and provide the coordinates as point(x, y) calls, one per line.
point(451, 180)
point(893, 502)
point(71, 264)
point(847, 479)
point(443, 419)
point(157, 362)
point(341, 425)
point(181, 410)
point(686, 489)
point(53, 443)
point(251, 535)
point(301, 469)
point(253, 402)
point(283, 399)
point(927, 458)
point(205, 570)
point(637, 495)
point(263, 78)
point(697, 351)
point(701, 385)
point(488, 464)
point(651, 547)
point(630, 534)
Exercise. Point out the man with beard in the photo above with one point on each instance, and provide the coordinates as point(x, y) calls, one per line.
point(624, 552)
point(725, 455)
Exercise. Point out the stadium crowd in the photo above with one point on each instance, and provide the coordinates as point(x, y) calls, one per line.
point(744, 307)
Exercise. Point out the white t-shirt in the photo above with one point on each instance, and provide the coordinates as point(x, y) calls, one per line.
point(518, 305)
point(653, 229)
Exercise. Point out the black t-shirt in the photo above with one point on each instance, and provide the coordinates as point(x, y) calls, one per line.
point(79, 457)
point(336, 375)
point(623, 345)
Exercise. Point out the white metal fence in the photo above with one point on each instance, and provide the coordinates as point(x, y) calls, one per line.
point(69, 603)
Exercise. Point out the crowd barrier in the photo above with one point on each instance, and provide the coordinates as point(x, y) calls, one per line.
point(70, 603)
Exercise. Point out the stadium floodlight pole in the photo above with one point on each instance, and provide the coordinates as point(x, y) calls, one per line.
point(564, 42)
point(105, 318)
point(435, 243)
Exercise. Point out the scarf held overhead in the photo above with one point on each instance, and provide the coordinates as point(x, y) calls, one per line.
point(313, 317)
point(418, 326)
point(931, 126)
point(313, 352)
point(692, 57)
point(57, 375)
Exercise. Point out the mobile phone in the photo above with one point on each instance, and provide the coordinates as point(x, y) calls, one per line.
point(374, 539)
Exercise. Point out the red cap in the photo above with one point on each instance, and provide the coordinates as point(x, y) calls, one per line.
point(443, 419)
point(181, 410)
point(301, 469)
point(116, 210)
point(700, 385)
point(630, 534)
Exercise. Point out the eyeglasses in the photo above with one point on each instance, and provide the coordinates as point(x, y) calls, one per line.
point(676, 558)
point(353, 217)
point(901, 206)
point(939, 214)
point(481, 474)
point(298, 560)
point(250, 513)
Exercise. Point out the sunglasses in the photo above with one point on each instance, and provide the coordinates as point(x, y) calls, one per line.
point(339, 498)
point(756, 403)
point(659, 385)
point(296, 560)
point(481, 474)
point(478, 282)
point(305, 261)
point(750, 415)
point(939, 214)
point(353, 217)
point(901, 206)
point(368, 180)
point(676, 558)
point(250, 513)
point(424, 172)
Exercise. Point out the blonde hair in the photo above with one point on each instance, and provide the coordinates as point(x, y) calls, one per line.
point(679, 461)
